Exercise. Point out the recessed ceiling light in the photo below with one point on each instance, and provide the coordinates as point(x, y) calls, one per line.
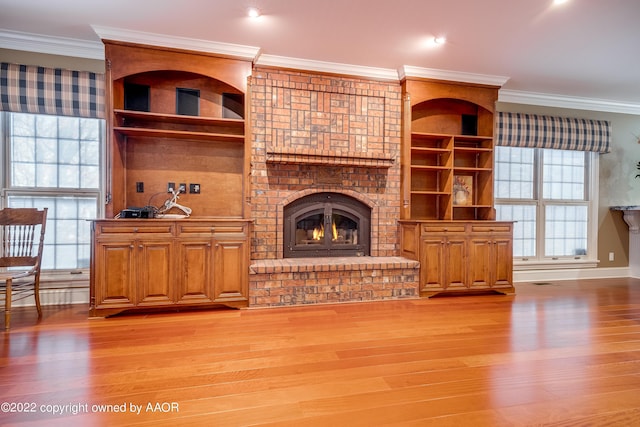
point(253, 12)
point(559, 2)
point(440, 40)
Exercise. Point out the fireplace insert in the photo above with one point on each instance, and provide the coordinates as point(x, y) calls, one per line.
point(326, 224)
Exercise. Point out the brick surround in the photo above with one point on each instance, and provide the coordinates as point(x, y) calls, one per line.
point(314, 133)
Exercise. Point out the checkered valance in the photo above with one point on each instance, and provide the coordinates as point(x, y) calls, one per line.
point(40, 90)
point(531, 130)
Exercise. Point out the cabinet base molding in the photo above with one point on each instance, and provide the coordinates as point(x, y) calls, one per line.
point(505, 291)
point(101, 313)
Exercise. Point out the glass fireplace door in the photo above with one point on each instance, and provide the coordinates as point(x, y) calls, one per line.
point(326, 226)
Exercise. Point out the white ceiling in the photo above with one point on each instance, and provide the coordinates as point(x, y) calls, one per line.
point(584, 50)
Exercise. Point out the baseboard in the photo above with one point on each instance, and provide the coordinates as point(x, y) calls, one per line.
point(569, 274)
point(80, 294)
point(59, 296)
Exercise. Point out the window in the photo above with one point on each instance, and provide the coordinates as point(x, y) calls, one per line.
point(54, 162)
point(549, 194)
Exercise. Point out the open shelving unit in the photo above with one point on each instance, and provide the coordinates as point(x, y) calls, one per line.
point(176, 117)
point(448, 145)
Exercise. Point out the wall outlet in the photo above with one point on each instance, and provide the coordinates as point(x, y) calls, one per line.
point(611, 256)
point(194, 188)
point(182, 188)
point(139, 187)
point(171, 186)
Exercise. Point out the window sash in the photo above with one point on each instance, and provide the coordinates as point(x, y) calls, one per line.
point(527, 252)
point(67, 239)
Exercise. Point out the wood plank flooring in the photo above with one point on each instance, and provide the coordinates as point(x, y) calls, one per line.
point(563, 354)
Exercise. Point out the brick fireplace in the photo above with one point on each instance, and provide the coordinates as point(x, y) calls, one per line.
point(317, 134)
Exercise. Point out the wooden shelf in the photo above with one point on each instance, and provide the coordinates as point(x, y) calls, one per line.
point(434, 168)
point(428, 150)
point(177, 134)
point(430, 193)
point(126, 115)
point(471, 169)
point(473, 149)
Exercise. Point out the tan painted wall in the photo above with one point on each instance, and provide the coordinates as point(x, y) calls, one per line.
point(52, 61)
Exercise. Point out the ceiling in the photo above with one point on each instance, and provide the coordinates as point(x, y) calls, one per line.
point(584, 50)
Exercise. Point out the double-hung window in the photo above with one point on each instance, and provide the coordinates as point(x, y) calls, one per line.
point(546, 181)
point(54, 162)
point(549, 194)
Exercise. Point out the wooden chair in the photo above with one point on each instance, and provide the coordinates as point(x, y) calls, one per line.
point(21, 242)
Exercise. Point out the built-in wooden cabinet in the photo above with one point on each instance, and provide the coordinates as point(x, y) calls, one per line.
point(168, 263)
point(173, 117)
point(448, 216)
point(460, 256)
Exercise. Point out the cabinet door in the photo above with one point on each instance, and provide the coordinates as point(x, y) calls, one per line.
point(503, 264)
point(491, 262)
point(432, 264)
point(481, 260)
point(155, 280)
point(194, 270)
point(231, 275)
point(456, 263)
point(114, 274)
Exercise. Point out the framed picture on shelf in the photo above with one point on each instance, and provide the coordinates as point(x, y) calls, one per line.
point(463, 190)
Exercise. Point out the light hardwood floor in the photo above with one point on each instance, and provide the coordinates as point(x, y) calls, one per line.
point(565, 354)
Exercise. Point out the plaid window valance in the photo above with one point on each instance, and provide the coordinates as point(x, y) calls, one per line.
point(40, 90)
point(531, 130)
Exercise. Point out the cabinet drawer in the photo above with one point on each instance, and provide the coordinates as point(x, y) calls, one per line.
point(196, 229)
point(209, 229)
point(230, 229)
point(434, 228)
point(491, 228)
point(166, 229)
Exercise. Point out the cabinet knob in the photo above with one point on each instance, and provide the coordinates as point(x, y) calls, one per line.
point(208, 245)
point(131, 246)
point(135, 230)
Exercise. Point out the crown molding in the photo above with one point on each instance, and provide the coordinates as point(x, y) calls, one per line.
point(326, 67)
point(572, 102)
point(455, 76)
point(64, 46)
point(237, 51)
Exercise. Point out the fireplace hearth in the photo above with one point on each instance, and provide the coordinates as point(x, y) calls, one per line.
point(326, 225)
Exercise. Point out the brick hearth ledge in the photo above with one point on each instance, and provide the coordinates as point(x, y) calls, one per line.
point(301, 281)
